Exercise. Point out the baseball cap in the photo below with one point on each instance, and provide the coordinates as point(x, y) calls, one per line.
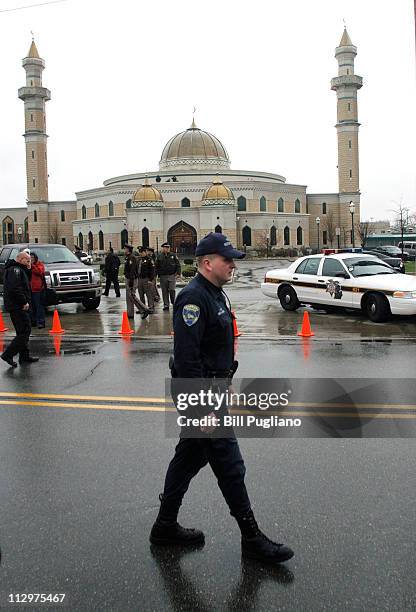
point(217, 244)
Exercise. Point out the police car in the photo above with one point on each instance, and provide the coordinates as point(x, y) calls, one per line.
point(346, 280)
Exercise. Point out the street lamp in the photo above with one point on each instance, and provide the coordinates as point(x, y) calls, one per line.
point(317, 227)
point(338, 234)
point(352, 211)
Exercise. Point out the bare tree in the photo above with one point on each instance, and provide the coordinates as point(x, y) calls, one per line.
point(401, 220)
point(363, 230)
point(330, 226)
point(54, 232)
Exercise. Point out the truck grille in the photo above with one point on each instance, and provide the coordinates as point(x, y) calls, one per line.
point(72, 278)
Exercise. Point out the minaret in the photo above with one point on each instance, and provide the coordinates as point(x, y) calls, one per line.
point(346, 84)
point(34, 95)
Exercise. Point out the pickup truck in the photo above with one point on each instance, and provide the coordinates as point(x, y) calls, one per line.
point(67, 278)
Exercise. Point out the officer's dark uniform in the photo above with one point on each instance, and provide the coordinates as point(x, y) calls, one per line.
point(167, 266)
point(204, 348)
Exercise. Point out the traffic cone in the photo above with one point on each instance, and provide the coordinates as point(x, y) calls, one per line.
point(3, 328)
point(235, 328)
point(125, 325)
point(56, 324)
point(306, 331)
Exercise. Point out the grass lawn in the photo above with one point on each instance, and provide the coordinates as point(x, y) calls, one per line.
point(410, 267)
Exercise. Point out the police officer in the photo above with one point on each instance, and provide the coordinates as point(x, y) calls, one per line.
point(17, 300)
point(145, 281)
point(131, 274)
point(151, 254)
point(168, 268)
point(204, 348)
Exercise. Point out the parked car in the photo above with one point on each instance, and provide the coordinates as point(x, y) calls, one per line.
point(395, 262)
point(346, 280)
point(67, 278)
point(392, 251)
point(84, 257)
point(410, 248)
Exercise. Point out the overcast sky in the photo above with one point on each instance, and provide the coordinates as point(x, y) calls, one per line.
point(126, 75)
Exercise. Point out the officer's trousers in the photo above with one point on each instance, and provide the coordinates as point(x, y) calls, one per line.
point(132, 299)
point(168, 286)
point(145, 287)
point(23, 327)
point(192, 454)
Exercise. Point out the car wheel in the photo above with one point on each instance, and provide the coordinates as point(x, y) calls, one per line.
point(91, 304)
point(288, 298)
point(377, 308)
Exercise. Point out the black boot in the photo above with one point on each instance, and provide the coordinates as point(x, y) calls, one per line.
point(174, 534)
point(9, 360)
point(167, 531)
point(255, 545)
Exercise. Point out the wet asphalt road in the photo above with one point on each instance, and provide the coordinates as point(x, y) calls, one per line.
point(79, 485)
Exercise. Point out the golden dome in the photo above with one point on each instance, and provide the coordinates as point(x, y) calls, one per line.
point(218, 191)
point(147, 193)
point(194, 147)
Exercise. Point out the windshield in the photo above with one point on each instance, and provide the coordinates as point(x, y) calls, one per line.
point(368, 267)
point(54, 254)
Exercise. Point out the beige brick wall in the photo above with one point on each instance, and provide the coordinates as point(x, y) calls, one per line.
point(119, 209)
point(348, 160)
point(342, 109)
point(36, 168)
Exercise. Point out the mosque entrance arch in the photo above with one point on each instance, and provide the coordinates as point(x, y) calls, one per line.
point(182, 238)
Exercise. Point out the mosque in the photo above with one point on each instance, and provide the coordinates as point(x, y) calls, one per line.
point(193, 191)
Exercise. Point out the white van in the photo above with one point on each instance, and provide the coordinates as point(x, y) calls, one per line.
point(410, 247)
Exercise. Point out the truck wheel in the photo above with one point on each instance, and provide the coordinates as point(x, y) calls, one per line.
point(377, 308)
point(91, 303)
point(288, 298)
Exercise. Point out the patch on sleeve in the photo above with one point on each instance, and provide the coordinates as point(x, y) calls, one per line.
point(190, 314)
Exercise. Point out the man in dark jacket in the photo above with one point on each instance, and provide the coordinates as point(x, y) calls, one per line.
point(146, 276)
point(111, 266)
point(168, 268)
point(17, 300)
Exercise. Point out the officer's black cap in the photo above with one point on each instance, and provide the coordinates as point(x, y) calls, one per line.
point(217, 244)
point(165, 244)
point(128, 246)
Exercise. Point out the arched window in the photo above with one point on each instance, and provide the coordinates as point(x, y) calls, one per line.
point(100, 241)
point(35, 216)
point(263, 205)
point(124, 238)
point(97, 210)
point(299, 236)
point(297, 206)
point(8, 230)
point(26, 229)
point(185, 203)
point(145, 237)
point(280, 205)
point(80, 240)
point(286, 236)
point(247, 235)
point(128, 203)
point(307, 207)
point(241, 203)
point(273, 236)
point(218, 229)
point(62, 215)
point(90, 241)
point(324, 208)
point(83, 212)
point(111, 209)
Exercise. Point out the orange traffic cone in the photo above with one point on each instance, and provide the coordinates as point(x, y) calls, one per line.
point(56, 324)
point(306, 331)
point(235, 328)
point(125, 325)
point(3, 328)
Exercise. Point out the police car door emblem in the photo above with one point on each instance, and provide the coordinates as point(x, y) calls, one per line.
point(190, 314)
point(334, 289)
